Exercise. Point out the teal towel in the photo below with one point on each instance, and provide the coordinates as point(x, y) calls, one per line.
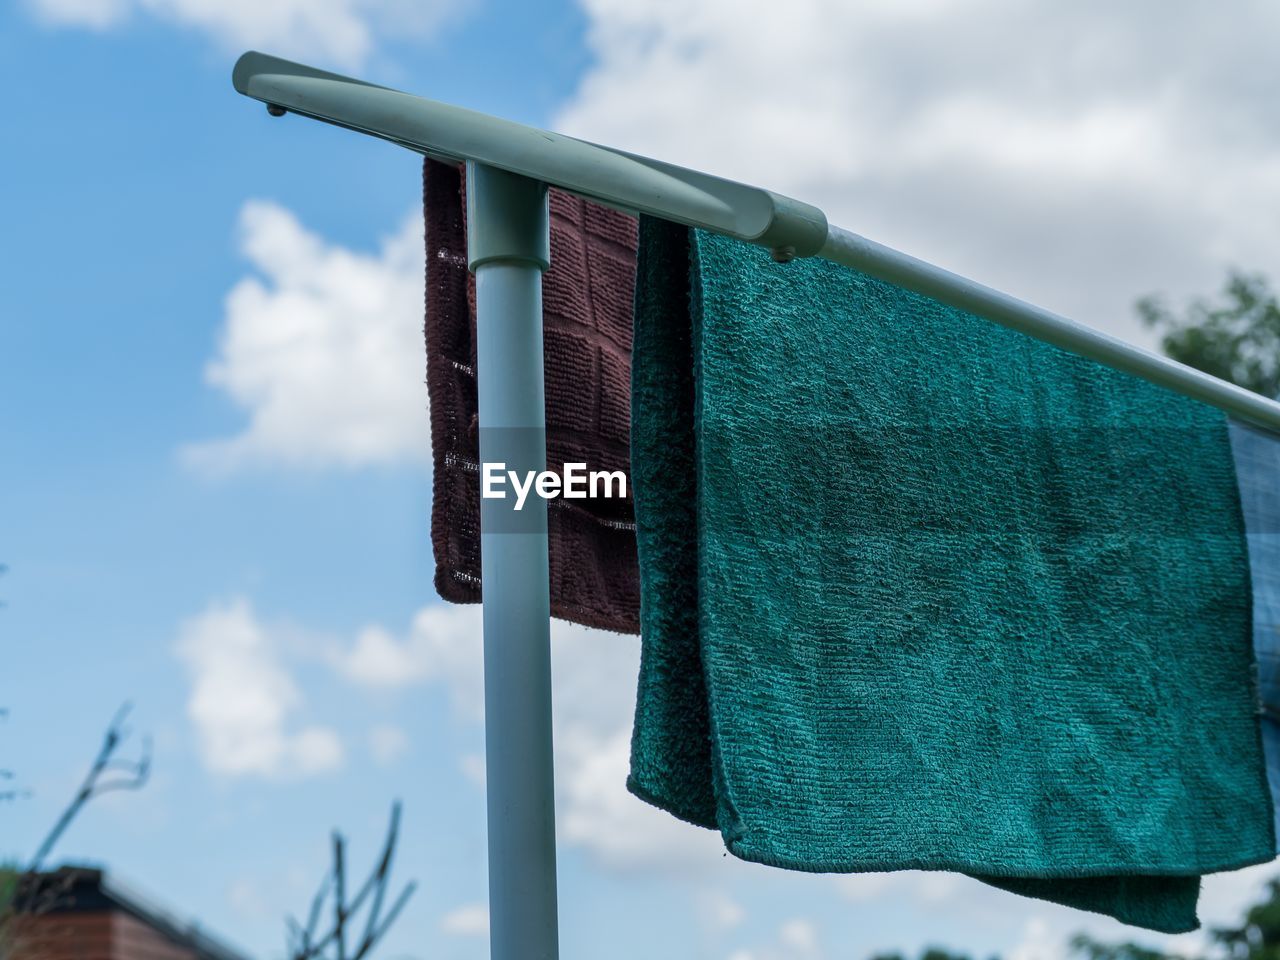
point(919, 592)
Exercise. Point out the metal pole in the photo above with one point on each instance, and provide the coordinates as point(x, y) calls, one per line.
point(848, 248)
point(787, 226)
point(508, 248)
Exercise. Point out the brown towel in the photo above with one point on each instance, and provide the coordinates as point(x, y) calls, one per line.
point(587, 313)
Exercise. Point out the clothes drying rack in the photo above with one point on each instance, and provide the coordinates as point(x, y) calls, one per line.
point(509, 167)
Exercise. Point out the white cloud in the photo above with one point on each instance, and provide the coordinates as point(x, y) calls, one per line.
point(795, 939)
point(1222, 894)
point(341, 32)
point(469, 920)
point(865, 886)
point(242, 699)
point(594, 675)
point(388, 743)
point(1037, 943)
point(93, 14)
point(719, 912)
point(472, 766)
point(248, 899)
point(918, 885)
point(322, 348)
point(444, 642)
point(1079, 155)
point(800, 935)
point(593, 688)
point(599, 814)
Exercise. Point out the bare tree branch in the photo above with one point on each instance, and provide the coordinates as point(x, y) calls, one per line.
point(339, 895)
point(10, 794)
point(31, 893)
point(132, 775)
point(305, 943)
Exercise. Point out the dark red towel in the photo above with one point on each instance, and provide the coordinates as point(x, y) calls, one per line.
point(587, 314)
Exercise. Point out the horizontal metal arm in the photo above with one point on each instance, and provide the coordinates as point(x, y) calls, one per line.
point(623, 180)
point(851, 250)
point(641, 185)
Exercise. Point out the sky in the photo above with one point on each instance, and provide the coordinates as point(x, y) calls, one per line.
point(214, 434)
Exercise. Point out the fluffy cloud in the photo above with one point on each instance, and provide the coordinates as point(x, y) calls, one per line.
point(443, 643)
point(322, 348)
point(920, 886)
point(1078, 155)
point(718, 912)
point(341, 32)
point(243, 700)
point(599, 814)
point(469, 920)
point(796, 939)
point(800, 935)
point(594, 683)
point(1037, 943)
point(472, 766)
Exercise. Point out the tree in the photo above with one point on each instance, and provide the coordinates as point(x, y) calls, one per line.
point(334, 941)
point(1257, 937)
point(23, 889)
point(1236, 338)
point(929, 953)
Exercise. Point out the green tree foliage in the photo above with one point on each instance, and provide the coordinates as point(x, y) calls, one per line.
point(1086, 947)
point(929, 953)
point(1236, 338)
point(1257, 937)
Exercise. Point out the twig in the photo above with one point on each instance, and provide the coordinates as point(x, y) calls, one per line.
point(133, 775)
point(34, 893)
point(305, 943)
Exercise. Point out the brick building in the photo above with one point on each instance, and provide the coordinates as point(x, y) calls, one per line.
point(78, 913)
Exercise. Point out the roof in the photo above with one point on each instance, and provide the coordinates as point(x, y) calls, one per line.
point(84, 889)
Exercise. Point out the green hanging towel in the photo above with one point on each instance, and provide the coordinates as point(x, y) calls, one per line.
point(919, 592)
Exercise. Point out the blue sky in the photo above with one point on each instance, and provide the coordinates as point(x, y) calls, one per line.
point(213, 430)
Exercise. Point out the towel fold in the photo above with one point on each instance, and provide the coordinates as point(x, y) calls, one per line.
point(919, 592)
point(587, 324)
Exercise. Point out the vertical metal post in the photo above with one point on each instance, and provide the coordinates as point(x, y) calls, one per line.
point(508, 248)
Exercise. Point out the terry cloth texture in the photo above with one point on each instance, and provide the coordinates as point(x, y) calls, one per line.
point(1257, 455)
point(587, 325)
point(919, 592)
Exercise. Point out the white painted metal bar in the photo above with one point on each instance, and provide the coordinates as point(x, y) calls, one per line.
point(789, 227)
point(851, 250)
point(508, 247)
